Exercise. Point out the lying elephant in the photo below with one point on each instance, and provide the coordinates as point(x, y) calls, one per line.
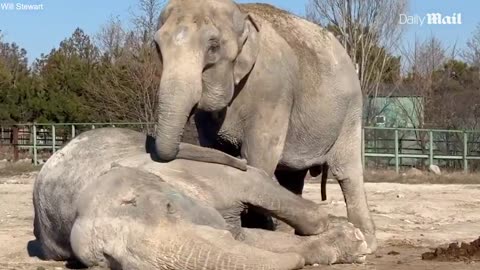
point(266, 85)
point(103, 200)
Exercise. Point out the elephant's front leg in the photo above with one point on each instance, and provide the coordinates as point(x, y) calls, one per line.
point(265, 133)
point(340, 244)
point(268, 197)
point(262, 147)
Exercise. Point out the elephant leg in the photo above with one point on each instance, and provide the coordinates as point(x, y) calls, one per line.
point(346, 167)
point(268, 197)
point(262, 148)
point(293, 181)
point(340, 244)
point(266, 133)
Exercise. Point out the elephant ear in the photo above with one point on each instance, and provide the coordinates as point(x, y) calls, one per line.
point(250, 43)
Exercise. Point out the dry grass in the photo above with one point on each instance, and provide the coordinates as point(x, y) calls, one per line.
point(18, 168)
point(6, 152)
point(421, 177)
point(412, 177)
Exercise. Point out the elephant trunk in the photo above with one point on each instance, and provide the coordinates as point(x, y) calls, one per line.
point(178, 95)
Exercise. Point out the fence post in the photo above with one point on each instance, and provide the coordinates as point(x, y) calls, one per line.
point(15, 143)
point(465, 152)
point(54, 137)
point(430, 147)
point(34, 129)
point(93, 126)
point(363, 147)
point(397, 159)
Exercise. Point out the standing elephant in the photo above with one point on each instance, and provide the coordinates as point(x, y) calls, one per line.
point(265, 85)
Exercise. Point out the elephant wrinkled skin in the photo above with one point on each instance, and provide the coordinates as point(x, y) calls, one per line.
point(102, 200)
point(266, 85)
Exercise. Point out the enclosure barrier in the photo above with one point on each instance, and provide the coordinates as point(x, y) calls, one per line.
point(395, 147)
point(453, 145)
point(36, 137)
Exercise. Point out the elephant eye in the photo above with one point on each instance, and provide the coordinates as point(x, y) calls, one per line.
point(214, 45)
point(170, 208)
point(214, 49)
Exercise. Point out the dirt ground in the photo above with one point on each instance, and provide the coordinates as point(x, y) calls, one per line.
point(410, 219)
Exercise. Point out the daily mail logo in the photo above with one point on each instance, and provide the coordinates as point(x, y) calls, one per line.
point(431, 19)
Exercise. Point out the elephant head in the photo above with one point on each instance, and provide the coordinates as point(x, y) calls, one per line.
point(206, 48)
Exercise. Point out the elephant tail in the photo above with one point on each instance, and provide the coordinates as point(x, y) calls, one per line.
point(324, 181)
point(323, 170)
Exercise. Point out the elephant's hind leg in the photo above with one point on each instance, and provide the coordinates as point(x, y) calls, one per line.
point(346, 166)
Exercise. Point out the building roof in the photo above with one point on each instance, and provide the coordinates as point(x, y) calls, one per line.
point(396, 90)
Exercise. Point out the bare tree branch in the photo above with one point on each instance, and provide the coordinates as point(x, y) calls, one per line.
point(370, 32)
point(146, 19)
point(472, 53)
point(127, 84)
point(111, 38)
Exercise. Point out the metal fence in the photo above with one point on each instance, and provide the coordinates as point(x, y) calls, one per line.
point(381, 147)
point(39, 141)
point(407, 147)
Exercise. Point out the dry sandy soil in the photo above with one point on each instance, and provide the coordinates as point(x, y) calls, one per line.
point(410, 220)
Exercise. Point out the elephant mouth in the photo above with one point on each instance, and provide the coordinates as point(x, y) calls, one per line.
point(192, 112)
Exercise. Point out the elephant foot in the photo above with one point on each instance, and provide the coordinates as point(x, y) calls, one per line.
point(340, 244)
point(315, 223)
point(371, 239)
